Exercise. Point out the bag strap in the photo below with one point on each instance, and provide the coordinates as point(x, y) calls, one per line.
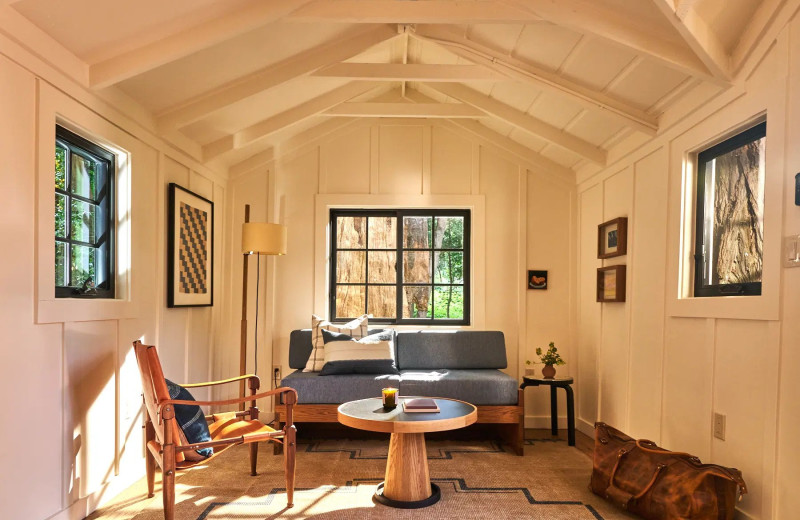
point(715, 469)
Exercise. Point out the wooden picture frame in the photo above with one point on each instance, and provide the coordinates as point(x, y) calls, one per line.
point(537, 280)
point(611, 283)
point(190, 249)
point(612, 238)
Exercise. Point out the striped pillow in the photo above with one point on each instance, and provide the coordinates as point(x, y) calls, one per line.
point(373, 354)
point(356, 328)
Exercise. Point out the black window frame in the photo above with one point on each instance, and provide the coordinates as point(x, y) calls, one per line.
point(400, 214)
point(105, 201)
point(744, 137)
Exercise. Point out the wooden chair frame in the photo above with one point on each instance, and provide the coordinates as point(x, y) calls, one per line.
point(162, 433)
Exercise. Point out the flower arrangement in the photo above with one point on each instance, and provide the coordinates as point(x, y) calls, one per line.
point(551, 357)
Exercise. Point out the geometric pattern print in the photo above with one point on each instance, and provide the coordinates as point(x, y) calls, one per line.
point(192, 250)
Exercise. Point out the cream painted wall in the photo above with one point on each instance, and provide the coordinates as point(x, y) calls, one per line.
point(72, 383)
point(522, 220)
point(657, 366)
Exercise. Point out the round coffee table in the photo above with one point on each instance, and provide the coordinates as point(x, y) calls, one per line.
point(408, 484)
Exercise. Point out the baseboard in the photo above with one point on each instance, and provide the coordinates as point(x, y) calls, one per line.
point(584, 427)
point(543, 422)
point(87, 505)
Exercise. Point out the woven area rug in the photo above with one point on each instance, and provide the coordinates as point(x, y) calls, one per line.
point(336, 479)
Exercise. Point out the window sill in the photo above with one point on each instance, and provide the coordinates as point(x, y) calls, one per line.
point(764, 307)
point(83, 309)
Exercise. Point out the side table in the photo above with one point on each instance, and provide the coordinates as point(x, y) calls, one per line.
point(557, 382)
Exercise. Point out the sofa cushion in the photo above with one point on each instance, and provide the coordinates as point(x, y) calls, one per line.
point(356, 328)
point(462, 349)
point(312, 388)
point(373, 354)
point(482, 387)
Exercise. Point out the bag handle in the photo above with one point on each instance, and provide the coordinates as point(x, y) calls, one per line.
point(617, 492)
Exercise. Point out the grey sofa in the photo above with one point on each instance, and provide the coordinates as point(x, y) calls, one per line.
point(455, 364)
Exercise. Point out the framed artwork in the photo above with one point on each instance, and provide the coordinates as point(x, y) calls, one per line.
point(612, 238)
point(611, 283)
point(537, 280)
point(190, 249)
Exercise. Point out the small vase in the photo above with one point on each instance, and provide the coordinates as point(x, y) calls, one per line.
point(548, 371)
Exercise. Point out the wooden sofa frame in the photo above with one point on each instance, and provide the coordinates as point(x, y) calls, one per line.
point(508, 419)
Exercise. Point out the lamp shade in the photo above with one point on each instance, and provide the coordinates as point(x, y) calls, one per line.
point(264, 238)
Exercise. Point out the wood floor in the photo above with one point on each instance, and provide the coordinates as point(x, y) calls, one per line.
point(583, 442)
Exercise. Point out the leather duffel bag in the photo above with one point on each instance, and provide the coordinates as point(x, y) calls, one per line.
point(659, 484)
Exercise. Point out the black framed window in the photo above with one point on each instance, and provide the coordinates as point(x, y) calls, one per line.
point(729, 235)
point(84, 218)
point(404, 266)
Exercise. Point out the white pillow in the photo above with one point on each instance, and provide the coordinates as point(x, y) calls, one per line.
point(372, 354)
point(356, 328)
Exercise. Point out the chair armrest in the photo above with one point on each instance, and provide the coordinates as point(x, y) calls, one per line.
point(282, 390)
point(222, 382)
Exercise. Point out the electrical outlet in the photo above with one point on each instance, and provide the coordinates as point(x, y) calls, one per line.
point(719, 426)
point(276, 376)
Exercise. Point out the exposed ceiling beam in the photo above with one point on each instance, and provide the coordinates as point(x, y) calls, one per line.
point(542, 79)
point(422, 110)
point(188, 41)
point(251, 163)
point(591, 17)
point(299, 65)
point(267, 127)
point(697, 34)
point(409, 72)
point(535, 159)
point(523, 121)
point(759, 25)
point(393, 11)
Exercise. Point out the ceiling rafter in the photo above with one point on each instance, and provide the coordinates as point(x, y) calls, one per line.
point(543, 79)
point(591, 17)
point(420, 110)
point(188, 41)
point(409, 72)
point(757, 28)
point(263, 129)
point(297, 66)
point(393, 11)
point(697, 34)
point(505, 143)
point(523, 121)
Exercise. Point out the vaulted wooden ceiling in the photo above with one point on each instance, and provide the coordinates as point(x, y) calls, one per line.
point(562, 82)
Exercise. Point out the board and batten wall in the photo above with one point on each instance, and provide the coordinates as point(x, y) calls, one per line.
point(522, 219)
point(69, 385)
point(658, 366)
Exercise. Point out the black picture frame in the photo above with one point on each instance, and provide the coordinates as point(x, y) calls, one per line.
point(190, 243)
point(537, 280)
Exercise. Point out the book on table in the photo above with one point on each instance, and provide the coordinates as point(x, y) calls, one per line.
point(421, 405)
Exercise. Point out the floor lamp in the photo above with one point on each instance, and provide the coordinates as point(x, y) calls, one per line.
point(259, 238)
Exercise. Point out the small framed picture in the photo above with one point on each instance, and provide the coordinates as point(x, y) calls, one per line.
point(537, 280)
point(611, 283)
point(190, 249)
point(612, 238)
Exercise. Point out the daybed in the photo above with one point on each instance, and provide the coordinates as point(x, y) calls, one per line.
point(460, 365)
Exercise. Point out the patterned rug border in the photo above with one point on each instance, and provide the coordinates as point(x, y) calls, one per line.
point(356, 454)
point(459, 486)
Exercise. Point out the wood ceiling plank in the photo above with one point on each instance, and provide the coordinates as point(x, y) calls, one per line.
point(592, 17)
point(541, 162)
point(267, 127)
point(543, 79)
point(299, 65)
point(422, 110)
point(523, 121)
point(183, 43)
point(409, 72)
point(698, 36)
point(393, 11)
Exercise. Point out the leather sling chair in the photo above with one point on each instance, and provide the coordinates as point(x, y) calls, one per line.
point(167, 446)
